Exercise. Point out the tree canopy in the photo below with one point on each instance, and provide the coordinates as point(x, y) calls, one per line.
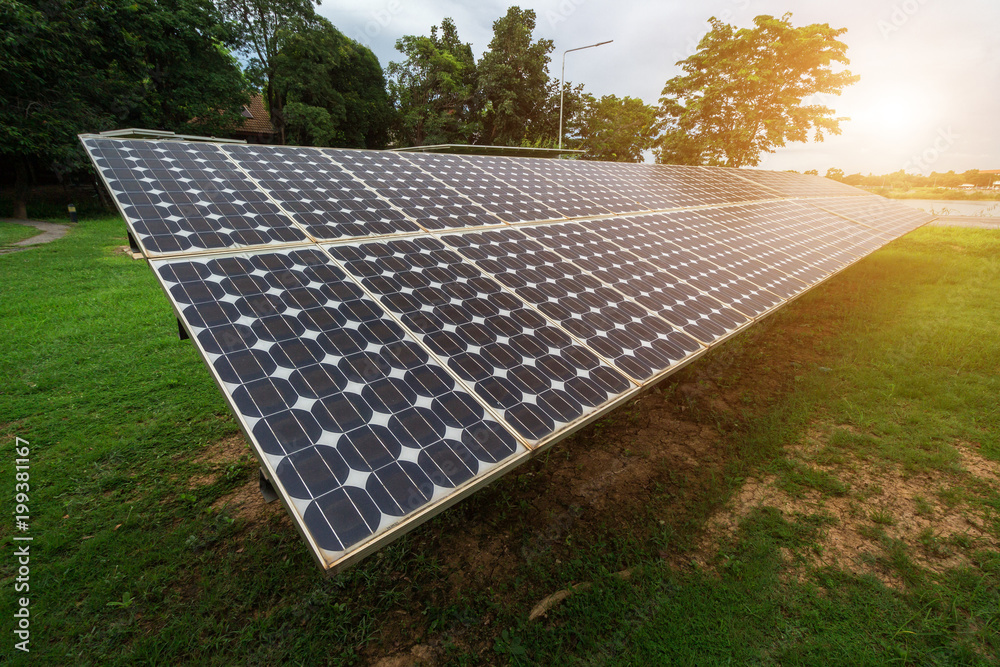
point(514, 79)
point(435, 89)
point(331, 89)
point(71, 66)
point(260, 25)
point(617, 129)
point(742, 94)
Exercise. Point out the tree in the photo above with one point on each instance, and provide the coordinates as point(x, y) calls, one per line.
point(66, 67)
point(835, 174)
point(618, 129)
point(72, 66)
point(435, 89)
point(514, 79)
point(194, 84)
point(331, 88)
point(811, 172)
point(742, 93)
point(261, 24)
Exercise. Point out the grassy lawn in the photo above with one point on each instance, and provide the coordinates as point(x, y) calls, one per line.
point(11, 232)
point(822, 489)
point(939, 193)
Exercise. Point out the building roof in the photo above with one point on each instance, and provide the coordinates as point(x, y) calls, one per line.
point(258, 121)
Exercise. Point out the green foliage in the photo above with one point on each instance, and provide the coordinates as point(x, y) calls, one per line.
point(741, 95)
point(259, 25)
point(435, 89)
point(331, 88)
point(514, 79)
point(69, 66)
point(194, 85)
point(66, 67)
point(617, 129)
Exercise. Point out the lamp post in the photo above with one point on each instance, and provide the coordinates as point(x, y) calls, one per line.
point(562, 82)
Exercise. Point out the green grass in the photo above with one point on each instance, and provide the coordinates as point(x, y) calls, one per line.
point(132, 566)
point(11, 232)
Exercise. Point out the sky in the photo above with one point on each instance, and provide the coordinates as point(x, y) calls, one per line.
point(928, 98)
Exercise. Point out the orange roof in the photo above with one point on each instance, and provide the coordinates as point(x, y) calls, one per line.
point(258, 121)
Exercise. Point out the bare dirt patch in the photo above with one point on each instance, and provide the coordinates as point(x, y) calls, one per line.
point(248, 504)
point(883, 505)
point(217, 457)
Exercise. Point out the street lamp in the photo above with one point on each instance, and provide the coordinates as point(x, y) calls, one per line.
point(562, 81)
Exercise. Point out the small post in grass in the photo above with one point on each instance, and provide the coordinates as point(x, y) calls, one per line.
point(72, 212)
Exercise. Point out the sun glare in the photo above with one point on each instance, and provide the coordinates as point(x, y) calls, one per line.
point(898, 114)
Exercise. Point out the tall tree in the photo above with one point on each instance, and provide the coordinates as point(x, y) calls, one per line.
point(331, 88)
point(66, 66)
point(514, 79)
point(261, 24)
point(194, 84)
point(435, 89)
point(74, 66)
point(742, 93)
point(618, 129)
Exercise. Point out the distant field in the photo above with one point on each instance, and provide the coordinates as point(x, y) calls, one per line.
point(938, 193)
point(822, 489)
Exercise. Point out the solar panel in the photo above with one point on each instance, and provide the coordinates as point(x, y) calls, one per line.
point(485, 189)
point(529, 372)
point(639, 236)
point(327, 201)
point(556, 196)
point(634, 340)
point(418, 194)
point(699, 315)
point(890, 218)
point(563, 174)
point(183, 197)
point(394, 331)
point(358, 426)
point(791, 184)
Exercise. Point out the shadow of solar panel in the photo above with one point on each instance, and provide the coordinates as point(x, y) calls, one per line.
point(187, 197)
point(531, 373)
point(485, 189)
point(422, 197)
point(359, 428)
point(701, 316)
point(891, 219)
point(326, 200)
point(636, 341)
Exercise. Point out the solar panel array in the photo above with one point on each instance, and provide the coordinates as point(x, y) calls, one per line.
point(395, 330)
